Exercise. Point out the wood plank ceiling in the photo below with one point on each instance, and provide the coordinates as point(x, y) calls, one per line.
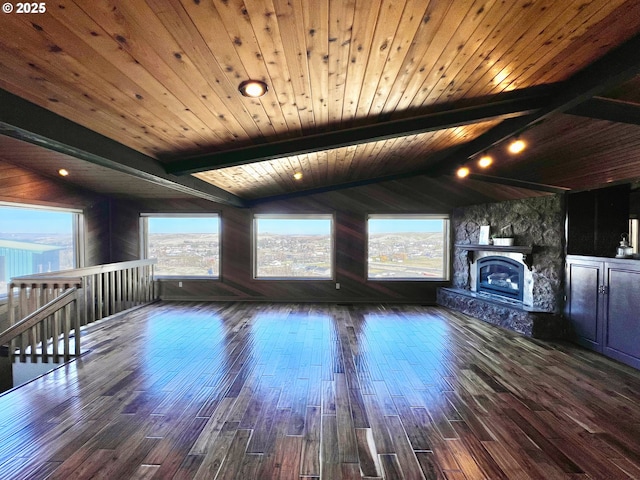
point(161, 77)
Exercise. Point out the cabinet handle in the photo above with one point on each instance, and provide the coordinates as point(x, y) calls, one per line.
point(602, 289)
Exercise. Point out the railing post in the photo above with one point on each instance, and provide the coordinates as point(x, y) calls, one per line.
point(11, 316)
point(76, 333)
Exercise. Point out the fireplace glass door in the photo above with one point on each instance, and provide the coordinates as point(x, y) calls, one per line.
point(500, 276)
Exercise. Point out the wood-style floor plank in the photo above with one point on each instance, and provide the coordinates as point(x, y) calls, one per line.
point(321, 392)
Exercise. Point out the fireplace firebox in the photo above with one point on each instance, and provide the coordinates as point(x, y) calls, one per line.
point(500, 276)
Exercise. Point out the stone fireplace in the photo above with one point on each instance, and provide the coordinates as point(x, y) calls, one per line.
point(517, 287)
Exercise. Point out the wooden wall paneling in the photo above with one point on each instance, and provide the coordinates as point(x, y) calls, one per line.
point(125, 229)
point(97, 221)
point(143, 36)
point(476, 50)
point(316, 21)
point(399, 48)
point(415, 61)
point(350, 207)
point(205, 56)
point(537, 38)
point(93, 107)
point(290, 20)
point(433, 53)
point(461, 41)
point(211, 25)
point(359, 91)
point(55, 50)
point(254, 56)
point(163, 75)
point(591, 31)
point(23, 186)
point(341, 18)
point(574, 152)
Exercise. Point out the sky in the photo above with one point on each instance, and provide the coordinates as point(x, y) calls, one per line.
point(297, 226)
point(323, 226)
point(24, 220)
point(404, 225)
point(183, 225)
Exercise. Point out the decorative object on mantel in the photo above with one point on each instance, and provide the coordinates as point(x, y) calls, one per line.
point(505, 237)
point(483, 238)
point(503, 241)
point(625, 250)
point(526, 251)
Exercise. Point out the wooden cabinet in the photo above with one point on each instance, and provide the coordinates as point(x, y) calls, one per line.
point(603, 305)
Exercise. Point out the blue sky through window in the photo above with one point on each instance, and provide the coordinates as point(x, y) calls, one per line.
point(25, 220)
point(404, 225)
point(294, 226)
point(159, 225)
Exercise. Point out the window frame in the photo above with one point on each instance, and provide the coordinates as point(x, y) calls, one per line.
point(144, 242)
point(77, 233)
point(293, 216)
point(446, 248)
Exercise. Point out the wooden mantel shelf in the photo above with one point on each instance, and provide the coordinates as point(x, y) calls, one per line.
point(474, 247)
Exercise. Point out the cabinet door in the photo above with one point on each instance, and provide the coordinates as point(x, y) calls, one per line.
point(583, 307)
point(622, 313)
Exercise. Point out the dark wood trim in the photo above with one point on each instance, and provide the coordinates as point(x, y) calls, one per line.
point(504, 105)
point(512, 182)
point(31, 123)
point(608, 109)
point(476, 247)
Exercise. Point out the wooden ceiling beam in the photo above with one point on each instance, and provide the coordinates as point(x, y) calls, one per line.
point(28, 122)
point(610, 109)
point(512, 182)
point(537, 187)
point(504, 105)
point(614, 68)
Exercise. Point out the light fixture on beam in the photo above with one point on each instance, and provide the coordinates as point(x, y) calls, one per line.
point(63, 172)
point(517, 146)
point(463, 172)
point(297, 175)
point(485, 161)
point(253, 88)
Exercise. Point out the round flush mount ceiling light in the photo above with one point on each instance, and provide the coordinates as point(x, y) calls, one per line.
point(63, 172)
point(253, 88)
point(517, 146)
point(463, 172)
point(297, 175)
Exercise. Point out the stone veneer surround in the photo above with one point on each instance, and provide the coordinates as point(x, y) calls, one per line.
point(537, 222)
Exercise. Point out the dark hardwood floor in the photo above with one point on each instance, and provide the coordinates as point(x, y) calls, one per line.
point(280, 391)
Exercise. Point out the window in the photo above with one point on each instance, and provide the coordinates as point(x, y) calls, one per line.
point(408, 247)
point(37, 240)
point(184, 245)
point(293, 246)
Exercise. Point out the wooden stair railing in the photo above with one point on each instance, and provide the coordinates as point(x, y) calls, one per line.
point(102, 290)
point(53, 322)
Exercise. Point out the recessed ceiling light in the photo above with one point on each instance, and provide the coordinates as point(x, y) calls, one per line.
point(253, 88)
point(517, 146)
point(63, 173)
point(485, 161)
point(463, 172)
point(297, 175)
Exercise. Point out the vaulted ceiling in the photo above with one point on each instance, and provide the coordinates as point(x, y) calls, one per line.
point(359, 91)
